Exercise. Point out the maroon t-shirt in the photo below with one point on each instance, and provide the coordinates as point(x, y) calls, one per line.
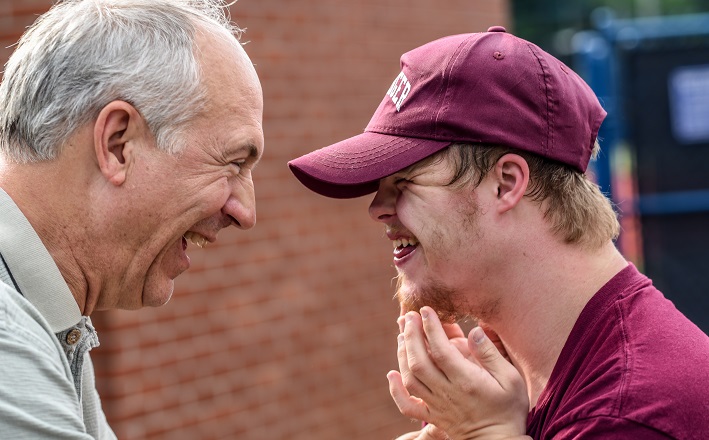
point(633, 367)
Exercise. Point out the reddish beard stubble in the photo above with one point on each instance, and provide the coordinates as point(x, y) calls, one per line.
point(450, 305)
point(439, 298)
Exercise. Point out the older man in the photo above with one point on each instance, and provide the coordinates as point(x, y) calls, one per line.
point(127, 130)
point(477, 155)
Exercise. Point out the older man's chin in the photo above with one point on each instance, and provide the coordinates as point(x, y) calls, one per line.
point(157, 290)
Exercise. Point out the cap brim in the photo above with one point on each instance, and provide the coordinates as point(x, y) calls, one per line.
point(353, 167)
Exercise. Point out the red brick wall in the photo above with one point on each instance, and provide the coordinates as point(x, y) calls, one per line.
point(285, 331)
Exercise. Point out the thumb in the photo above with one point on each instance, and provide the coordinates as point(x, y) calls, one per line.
point(495, 338)
point(488, 355)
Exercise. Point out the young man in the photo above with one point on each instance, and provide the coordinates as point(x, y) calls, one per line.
point(477, 155)
point(127, 130)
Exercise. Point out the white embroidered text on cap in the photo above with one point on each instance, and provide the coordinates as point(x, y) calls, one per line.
point(396, 87)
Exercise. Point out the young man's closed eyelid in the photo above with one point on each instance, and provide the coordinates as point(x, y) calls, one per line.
point(415, 170)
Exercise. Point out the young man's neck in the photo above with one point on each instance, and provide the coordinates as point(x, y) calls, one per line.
point(535, 323)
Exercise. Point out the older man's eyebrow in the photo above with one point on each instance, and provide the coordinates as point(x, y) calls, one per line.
point(252, 150)
point(254, 154)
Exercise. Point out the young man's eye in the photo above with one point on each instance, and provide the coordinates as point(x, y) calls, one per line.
point(401, 181)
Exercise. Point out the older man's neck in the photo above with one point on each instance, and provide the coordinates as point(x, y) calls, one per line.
point(52, 211)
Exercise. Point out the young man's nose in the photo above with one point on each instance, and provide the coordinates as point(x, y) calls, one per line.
point(383, 207)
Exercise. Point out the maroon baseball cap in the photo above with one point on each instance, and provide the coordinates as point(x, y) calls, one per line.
point(491, 88)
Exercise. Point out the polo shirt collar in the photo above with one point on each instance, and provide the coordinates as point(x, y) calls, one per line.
point(33, 268)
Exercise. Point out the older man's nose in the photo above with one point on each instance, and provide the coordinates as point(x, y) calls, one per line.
point(241, 209)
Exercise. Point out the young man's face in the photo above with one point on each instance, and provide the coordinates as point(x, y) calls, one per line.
point(438, 235)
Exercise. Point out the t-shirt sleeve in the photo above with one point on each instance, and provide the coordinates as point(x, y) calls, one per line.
point(608, 428)
point(37, 398)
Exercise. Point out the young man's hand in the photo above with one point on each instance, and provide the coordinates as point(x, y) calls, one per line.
point(429, 432)
point(473, 393)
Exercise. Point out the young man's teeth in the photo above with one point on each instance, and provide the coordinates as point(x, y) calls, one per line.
point(405, 242)
point(195, 238)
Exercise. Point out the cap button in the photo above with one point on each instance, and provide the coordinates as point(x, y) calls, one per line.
point(497, 29)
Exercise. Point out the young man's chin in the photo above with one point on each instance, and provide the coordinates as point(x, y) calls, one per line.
point(438, 297)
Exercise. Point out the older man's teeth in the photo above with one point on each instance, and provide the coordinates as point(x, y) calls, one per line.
point(196, 238)
point(404, 242)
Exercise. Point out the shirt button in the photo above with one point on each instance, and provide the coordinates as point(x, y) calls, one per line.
point(73, 336)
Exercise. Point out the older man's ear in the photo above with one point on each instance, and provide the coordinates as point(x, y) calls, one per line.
point(117, 130)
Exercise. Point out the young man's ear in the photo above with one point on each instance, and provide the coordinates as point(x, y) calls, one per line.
point(512, 177)
point(118, 126)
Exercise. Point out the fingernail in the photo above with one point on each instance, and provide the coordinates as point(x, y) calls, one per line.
point(409, 317)
point(400, 321)
point(424, 313)
point(478, 335)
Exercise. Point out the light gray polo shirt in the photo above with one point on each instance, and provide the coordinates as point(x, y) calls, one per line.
point(47, 388)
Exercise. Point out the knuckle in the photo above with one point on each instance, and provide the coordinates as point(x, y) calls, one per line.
point(417, 367)
point(408, 380)
point(489, 353)
point(468, 387)
point(438, 355)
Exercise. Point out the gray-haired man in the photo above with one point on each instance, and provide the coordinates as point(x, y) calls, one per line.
point(127, 129)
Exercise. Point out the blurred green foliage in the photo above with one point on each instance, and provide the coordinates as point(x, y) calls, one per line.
point(549, 22)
